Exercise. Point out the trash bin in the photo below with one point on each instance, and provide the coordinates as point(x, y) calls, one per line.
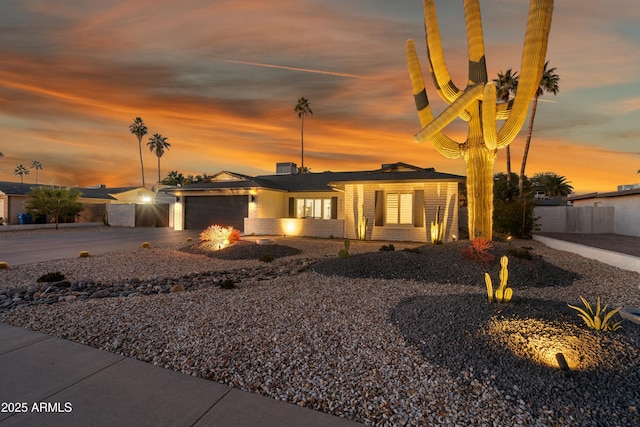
point(24, 219)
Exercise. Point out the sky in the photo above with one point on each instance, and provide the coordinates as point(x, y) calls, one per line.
point(220, 79)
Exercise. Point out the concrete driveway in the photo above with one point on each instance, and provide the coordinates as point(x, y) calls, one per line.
point(31, 246)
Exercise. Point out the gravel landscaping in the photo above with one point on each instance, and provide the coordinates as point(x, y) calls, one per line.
point(383, 338)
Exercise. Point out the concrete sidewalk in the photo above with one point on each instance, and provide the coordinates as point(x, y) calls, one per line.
point(54, 382)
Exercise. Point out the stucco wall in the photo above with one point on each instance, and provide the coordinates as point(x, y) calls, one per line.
point(575, 219)
point(308, 227)
point(627, 212)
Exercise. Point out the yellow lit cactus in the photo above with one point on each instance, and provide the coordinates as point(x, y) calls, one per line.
point(476, 103)
point(437, 229)
point(597, 319)
point(502, 294)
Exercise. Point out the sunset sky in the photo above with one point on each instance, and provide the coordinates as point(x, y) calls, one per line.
point(220, 80)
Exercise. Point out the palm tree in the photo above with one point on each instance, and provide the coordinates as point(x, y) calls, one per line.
point(506, 86)
point(139, 129)
point(548, 83)
point(21, 170)
point(37, 166)
point(158, 143)
point(552, 184)
point(302, 109)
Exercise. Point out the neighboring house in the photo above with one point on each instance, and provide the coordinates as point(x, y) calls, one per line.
point(399, 201)
point(617, 211)
point(14, 197)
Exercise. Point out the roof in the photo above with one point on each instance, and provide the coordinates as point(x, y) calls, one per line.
point(603, 195)
point(323, 181)
point(22, 189)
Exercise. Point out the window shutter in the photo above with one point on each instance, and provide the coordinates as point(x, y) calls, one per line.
point(334, 208)
point(292, 207)
point(379, 219)
point(418, 208)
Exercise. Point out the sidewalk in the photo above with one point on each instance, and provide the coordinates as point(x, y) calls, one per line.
point(54, 382)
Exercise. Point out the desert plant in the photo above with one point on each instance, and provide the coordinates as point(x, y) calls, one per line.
point(597, 320)
point(344, 253)
point(145, 245)
point(266, 258)
point(228, 284)
point(502, 294)
point(234, 236)
point(51, 277)
point(387, 248)
point(479, 250)
point(437, 229)
point(220, 236)
point(84, 254)
point(4, 265)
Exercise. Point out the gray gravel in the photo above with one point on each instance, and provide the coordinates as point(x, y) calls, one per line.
point(396, 350)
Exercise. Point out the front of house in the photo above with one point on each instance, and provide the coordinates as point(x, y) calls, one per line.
point(397, 202)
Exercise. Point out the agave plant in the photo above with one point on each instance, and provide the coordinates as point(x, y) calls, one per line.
point(597, 320)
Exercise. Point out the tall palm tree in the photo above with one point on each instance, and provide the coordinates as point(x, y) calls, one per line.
point(37, 166)
point(552, 184)
point(302, 109)
point(158, 143)
point(507, 86)
point(548, 83)
point(139, 129)
point(21, 170)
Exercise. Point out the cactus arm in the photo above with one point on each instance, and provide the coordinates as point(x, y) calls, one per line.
point(503, 109)
point(477, 63)
point(489, 128)
point(470, 95)
point(487, 281)
point(445, 145)
point(441, 77)
point(533, 57)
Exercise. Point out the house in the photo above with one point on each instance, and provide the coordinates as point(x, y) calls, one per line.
point(14, 197)
point(396, 202)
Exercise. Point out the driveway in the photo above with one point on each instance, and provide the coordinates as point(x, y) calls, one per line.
point(25, 247)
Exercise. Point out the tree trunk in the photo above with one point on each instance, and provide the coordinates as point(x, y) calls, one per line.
point(158, 186)
point(302, 144)
point(526, 145)
point(509, 166)
point(141, 164)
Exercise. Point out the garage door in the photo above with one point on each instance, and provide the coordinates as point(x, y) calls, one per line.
point(203, 211)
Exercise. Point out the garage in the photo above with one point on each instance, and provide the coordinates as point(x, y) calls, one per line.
point(203, 211)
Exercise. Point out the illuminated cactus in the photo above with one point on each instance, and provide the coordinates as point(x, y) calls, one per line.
point(437, 229)
point(476, 104)
point(502, 294)
point(363, 221)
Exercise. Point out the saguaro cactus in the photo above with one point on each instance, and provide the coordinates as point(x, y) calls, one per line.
point(476, 104)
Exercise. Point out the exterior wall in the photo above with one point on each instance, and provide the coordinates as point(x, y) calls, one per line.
point(16, 206)
point(360, 199)
point(307, 227)
point(269, 204)
point(627, 212)
point(576, 219)
point(3, 207)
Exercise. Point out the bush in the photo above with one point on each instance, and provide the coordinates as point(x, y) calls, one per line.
point(387, 248)
point(51, 277)
point(228, 284)
point(220, 236)
point(479, 250)
point(267, 258)
point(513, 217)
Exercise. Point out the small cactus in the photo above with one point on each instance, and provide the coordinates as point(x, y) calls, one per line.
point(84, 254)
point(344, 253)
point(145, 245)
point(502, 294)
point(4, 265)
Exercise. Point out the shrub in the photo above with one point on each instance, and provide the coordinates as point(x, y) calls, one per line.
point(387, 248)
point(51, 277)
point(513, 217)
point(228, 284)
point(479, 250)
point(234, 236)
point(218, 235)
point(267, 258)
point(344, 253)
point(597, 320)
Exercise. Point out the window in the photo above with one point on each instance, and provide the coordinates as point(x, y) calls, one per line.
point(399, 208)
point(313, 208)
